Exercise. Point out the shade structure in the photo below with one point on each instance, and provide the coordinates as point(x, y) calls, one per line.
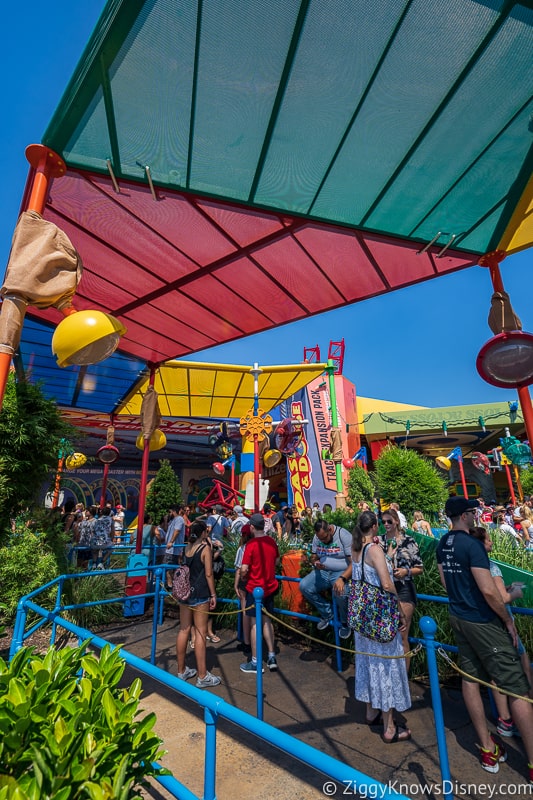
point(223, 391)
point(237, 165)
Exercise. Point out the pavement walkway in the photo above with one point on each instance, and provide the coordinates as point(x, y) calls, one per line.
point(307, 698)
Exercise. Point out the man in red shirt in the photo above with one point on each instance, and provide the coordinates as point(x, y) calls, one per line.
point(258, 568)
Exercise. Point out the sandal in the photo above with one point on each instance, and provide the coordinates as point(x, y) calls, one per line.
point(215, 639)
point(400, 735)
point(377, 720)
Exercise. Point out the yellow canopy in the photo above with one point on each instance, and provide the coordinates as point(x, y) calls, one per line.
point(193, 389)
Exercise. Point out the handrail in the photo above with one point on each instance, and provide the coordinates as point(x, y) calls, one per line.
point(215, 708)
point(212, 706)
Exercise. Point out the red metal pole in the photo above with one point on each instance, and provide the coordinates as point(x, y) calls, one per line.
point(463, 481)
point(527, 412)
point(46, 165)
point(104, 485)
point(144, 480)
point(492, 261)
point(510, 482)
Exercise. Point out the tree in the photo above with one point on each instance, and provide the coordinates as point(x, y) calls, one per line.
point(526, 479)
point(31, 429)
point(404, 477)
point(359, 486)
point(164, 492)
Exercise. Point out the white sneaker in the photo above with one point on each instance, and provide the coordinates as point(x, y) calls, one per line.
point(209, 680)
point(323, 624)
point(189, 673)
point(345, 632)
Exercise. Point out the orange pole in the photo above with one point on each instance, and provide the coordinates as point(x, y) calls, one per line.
point(462, 473)
point(55, 498)
point(510, 483)
point(46, 165)
point(492, 261)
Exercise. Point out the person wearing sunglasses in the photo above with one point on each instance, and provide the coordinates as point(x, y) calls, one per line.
point(403, 553)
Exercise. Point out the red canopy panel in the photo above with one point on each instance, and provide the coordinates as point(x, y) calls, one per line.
point(184, 273)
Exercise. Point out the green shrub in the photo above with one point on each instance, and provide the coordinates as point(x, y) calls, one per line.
point(164, 491)
point(404, 477)
point(67, 737)
point(359, 486)
point(26, 563)
point(94, 589)
point(31, 434)
point(526, 479)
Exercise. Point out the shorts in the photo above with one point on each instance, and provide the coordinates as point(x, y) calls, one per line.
point(193, 603)
point(170, 558)
point(486, 652)
point(268, 603)
point(406, 591)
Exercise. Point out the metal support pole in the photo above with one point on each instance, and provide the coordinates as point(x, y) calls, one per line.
point(492, 261)
point(46, 165)
point(428, 626)
point(210, 762)
point(340, 497)
point(144, 479)
point(462, 473)
point(258, 596)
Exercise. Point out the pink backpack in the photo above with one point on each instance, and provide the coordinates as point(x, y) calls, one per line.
point(181, 584)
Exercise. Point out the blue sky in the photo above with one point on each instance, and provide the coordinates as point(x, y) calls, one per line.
point(417, 345)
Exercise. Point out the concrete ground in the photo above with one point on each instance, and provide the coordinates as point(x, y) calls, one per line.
point(307, 698)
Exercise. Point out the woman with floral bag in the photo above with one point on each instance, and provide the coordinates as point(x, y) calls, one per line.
point(380, 682)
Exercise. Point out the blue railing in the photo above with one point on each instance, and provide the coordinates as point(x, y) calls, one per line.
point(215, 708)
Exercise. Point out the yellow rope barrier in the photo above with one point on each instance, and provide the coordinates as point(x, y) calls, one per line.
point(214, 613)
point(473, 679)
point(337, 647)
point(413, 652)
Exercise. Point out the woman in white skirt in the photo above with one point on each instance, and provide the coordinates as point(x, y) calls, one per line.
point(381, 683)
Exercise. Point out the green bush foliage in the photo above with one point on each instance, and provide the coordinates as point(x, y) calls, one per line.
point(526, 479)
point(94, 589)
point(359, 486)
point(404, 477)
point(67, 730)
point(164, 492)
point(26, 563)
point(31, 429)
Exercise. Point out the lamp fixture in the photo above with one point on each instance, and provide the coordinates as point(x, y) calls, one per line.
point(86, 337)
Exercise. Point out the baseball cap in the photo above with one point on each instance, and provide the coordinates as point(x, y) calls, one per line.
point(257, 521)
point(237, 509)
point(455, 506)
point(246, 530)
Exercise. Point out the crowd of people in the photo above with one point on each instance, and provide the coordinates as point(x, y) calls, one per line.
point(489, 647)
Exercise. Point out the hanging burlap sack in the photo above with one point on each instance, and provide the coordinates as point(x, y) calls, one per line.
point(501, 315)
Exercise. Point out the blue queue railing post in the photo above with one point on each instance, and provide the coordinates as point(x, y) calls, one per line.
point(57, 608)
point(428, 626)
point(17, 639)
point(156, 572)
point(210, 763)
point(258, 597)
